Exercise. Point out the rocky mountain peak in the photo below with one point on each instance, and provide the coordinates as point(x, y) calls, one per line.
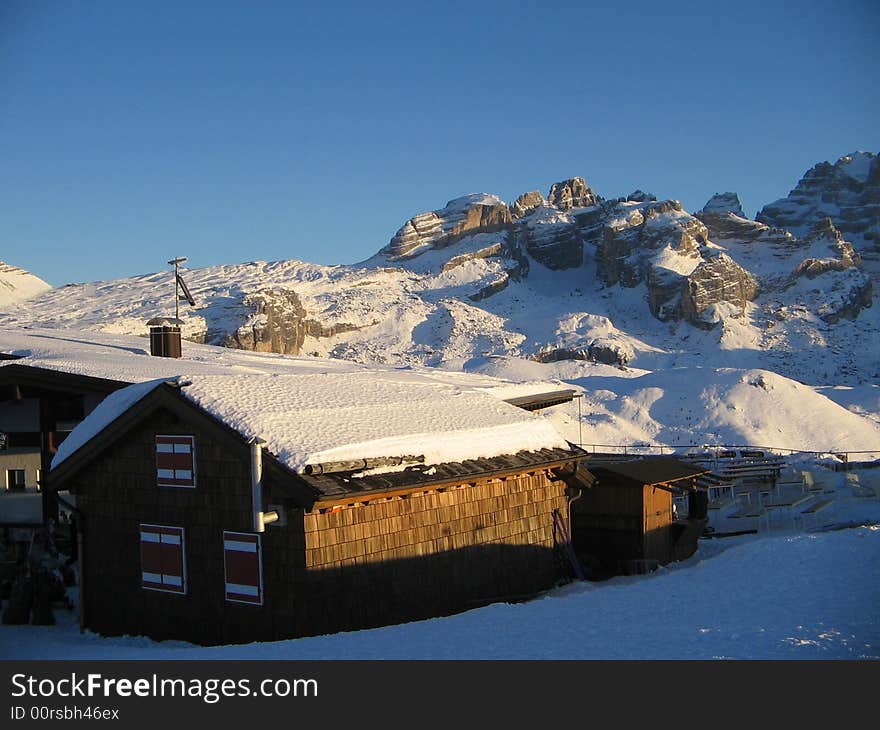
point(572, 193)
point(526, 203)
point(721, 203)
point(477, 212)
point(847, 192)
point(640, 196)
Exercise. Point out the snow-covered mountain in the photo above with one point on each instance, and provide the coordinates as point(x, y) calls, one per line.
point(847, 191)
point(17, 285)
point(630, 282)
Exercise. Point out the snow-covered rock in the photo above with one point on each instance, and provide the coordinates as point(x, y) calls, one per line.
point(572, 193)
point(16, 285)
point(477, 212)
point(847, 191)
point(723, 203)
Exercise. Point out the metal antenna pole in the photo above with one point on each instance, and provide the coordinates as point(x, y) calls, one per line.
point(177, 261)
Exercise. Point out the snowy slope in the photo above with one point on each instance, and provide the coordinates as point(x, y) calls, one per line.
point(16, 285)
point(809, 596)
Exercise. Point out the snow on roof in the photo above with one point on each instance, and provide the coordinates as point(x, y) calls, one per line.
point(107, 411)
point(306, 408)
point(310, 419)
point(127, 359)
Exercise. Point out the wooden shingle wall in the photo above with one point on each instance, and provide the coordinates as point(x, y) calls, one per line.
point(435, 552)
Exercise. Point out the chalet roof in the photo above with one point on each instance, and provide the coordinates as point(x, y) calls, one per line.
point(307, 419)
point(649, 469)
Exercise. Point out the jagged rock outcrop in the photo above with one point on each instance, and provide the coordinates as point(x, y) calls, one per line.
point(717, 279)
point(848, 192)
point(829, 252)
point(602, 350)
point(723, 203)
point(484, 253)
point(277, 323)
point(551, 237)
point(634, 230)
point(572, 193)
point(727, 226)
point(660, 244)
point(526, 203)
point(476, 213)
point(640, 196)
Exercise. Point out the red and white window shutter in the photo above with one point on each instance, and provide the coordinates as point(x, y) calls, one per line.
point(243, 564)
point(163, 565)
point(176, 461)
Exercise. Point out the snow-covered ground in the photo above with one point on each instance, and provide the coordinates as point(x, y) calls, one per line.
point(782, 596)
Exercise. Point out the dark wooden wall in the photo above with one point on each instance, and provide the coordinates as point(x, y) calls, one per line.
point(619, 523)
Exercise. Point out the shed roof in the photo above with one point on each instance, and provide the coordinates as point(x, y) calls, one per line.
point(650, 469)
point(333, 485)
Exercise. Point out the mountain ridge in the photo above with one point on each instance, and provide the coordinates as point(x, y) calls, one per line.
point(633, 282)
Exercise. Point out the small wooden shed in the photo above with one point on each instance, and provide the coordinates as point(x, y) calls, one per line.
point(624, 523)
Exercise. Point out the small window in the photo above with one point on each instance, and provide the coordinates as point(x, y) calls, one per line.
point(176, 461)
point(243, 567)
point(163, 565)
point(15, 479)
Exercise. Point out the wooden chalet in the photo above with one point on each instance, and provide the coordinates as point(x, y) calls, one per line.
point(193, 531)
point(625, 524)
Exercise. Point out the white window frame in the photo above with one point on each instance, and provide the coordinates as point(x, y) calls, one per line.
point(227, 534)
point(193, 475)
point(182, 536)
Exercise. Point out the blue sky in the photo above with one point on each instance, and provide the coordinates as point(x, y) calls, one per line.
point(132, 132)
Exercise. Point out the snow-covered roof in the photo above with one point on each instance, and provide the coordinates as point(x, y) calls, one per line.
point(320, 417)
point(127, 359)
point(307, 409)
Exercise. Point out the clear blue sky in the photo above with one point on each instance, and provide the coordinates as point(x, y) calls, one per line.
point(131, 132)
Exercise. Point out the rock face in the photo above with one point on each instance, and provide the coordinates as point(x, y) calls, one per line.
point(838, 254)
point(848, 192)
point(723, 203)
point(551, 238)
point(640, 196)
point(573, 193)
point(526, 203)
point(476, 213)
point(277, 323)
point(717, 279)
point(727, 226)
point(667, 249)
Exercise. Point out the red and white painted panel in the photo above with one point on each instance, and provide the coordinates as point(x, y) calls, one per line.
point(243, 566)
point(163, 565)
point(176, 461)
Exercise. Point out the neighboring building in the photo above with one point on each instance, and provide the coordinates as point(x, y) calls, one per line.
point(20, 469)
point(625, 523)
point(370, 501)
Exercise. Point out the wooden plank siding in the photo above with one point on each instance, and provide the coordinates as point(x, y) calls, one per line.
point(435, 552)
